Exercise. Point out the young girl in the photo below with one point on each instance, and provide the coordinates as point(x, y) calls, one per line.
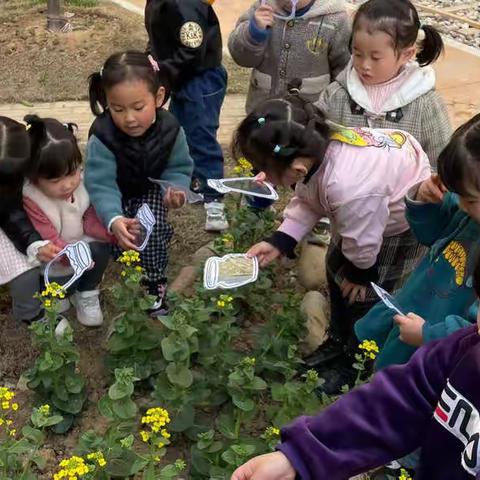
point(132, 141)
point(22, 249)
point(59, 207)
point(439, 291)
point(383, 86)
point(283, 39)
point(357, 178)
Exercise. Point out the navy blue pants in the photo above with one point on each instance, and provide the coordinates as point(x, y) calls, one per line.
point(197, 107)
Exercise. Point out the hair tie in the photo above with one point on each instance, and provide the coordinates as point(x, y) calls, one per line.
point(154, 64)
point(420, 36)
point(261, 121)
point(294, 91)
point(101, 71)
point(277, 149)
point(28, 126)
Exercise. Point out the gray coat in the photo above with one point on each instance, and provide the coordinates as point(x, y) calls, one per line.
point(312, 47)
point(416, 108)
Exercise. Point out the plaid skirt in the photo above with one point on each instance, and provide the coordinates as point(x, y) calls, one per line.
point(398, 257)
point(155, 256)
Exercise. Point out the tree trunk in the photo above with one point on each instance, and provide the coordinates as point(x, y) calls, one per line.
point(55, 22)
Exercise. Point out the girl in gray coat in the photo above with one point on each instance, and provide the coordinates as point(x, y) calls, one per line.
point(286, 39)
point(383, 86)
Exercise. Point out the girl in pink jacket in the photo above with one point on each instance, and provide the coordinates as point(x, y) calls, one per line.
point(358, 178)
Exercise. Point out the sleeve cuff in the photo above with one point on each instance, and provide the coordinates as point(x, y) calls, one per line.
point(32, 252)
point(360, 276)
point(259, 35)
point(285, 243)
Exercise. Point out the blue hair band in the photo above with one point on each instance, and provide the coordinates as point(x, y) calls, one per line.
point(261, 121)
point(277, 149)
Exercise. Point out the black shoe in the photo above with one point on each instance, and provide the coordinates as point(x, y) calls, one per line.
point(160, 306)
point(339, 375)
point(328, 351)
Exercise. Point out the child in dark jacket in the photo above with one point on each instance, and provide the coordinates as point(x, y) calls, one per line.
point(184, 37)
point(22, 249)
point(132, 141)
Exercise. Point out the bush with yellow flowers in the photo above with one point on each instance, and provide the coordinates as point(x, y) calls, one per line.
point(364, 361)
point(54, 376)
point(243, 168)
point(89, 467)
point(134, 341)
point(19, 447)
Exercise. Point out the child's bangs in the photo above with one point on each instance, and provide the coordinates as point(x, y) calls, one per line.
point(58, 159)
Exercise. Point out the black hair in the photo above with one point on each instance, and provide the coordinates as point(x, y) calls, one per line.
point(54, 148)
point(459, 161)
point(280, 130)
point(476, 277)
point(399, 19)
point(121, 67)
point(14, 153)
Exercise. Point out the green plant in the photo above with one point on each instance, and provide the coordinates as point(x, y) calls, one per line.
point(54, 376)
point(294, 398)
point(19, 452)
point(134, 341)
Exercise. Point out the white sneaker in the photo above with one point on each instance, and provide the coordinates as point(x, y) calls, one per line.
point(64, 305)
point(61, 326)
point(88, 308)
point(216, 220)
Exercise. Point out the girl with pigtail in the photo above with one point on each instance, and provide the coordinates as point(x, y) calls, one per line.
point(358, 179)
point(389, 82)
point(133, 140)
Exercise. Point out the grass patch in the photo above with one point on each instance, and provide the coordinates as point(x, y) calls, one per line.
point(69, 3)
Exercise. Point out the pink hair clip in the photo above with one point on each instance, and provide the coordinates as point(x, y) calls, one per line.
point(154, 64)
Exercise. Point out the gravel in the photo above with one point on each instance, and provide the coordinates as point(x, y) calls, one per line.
point(455, 29)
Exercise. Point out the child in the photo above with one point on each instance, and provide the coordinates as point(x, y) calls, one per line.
point(432, 402)
point(132, 141)
point(185, 38)
point(22, 249)
point(358, 178)
point(284, 39)
point(439, 291)
point(59, 207)
point(383, 86)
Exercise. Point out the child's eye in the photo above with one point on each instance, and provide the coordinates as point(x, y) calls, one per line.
point(376, 59)
point(117, 110)
point(139, 108)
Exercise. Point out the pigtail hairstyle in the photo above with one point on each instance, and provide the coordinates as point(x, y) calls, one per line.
point(14, 154)
point(459, 161)
point(54, 148)
point(280, 130)
point(131, 65)
point(399, 19)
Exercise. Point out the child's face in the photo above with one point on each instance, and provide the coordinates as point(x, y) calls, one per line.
point(374, 58)
point(471, 205)
point(132, 106)
point(296, 172)
point(60, 188)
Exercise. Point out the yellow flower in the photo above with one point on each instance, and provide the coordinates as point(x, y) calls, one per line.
point(160, 445)
point(123, 273)
point(404, 475)
point(220, 303)
point(5, 405)
point(138, 269)
point(9, 422)
point(53, 290)
point(370, 346)
point(237, 169)
point(129, 257)
point(97, 457)
point(72, 468)
point(145, 436)
point(2, 421)
point(244, 163)
point(14, 407)
point(12, 432)
point(44, 409)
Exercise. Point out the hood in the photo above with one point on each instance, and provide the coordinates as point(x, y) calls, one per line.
point(417, 81)
point(321, 7)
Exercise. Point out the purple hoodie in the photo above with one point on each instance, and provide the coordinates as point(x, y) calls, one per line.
point(432, 402)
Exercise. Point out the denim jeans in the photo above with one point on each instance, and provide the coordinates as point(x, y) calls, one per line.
point(197, 107)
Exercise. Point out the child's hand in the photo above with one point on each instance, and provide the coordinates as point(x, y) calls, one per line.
point(411, 328)
point(354, 292)
point(123, 229)
point(48, 252)
point(265, 252)
point(271, 466)
point(174, 198)
point(264, 16)
point(431, 190)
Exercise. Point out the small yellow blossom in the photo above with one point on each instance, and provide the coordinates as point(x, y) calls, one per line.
point(404, 475)
point(44, 409)
point(98, 458)
point(14, 407)
point(53, 290)
point(72, 468)
point(370, 349)
point(12, 432)
point(145, 436)
point(129, 257)
point(138, 269)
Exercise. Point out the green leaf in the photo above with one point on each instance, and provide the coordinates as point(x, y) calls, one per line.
point(120, 390)
point(183, 419)
point(168, 472)
point(105, 407)
point(175, 348)
point(124, 408)
point(179, 375)
point(258, 384)
point(226, 426)
point(19, 447)
point(74, 383)
point(33, 434)
point(149, 473)
point(53, 420)
point(123, 463)
point(39, 461)
point(245, 404)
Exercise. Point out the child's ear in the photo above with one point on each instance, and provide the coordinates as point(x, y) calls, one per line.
point(160, 97)
point(409, 54)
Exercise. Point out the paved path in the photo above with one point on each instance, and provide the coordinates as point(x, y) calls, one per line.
point(79, 113)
